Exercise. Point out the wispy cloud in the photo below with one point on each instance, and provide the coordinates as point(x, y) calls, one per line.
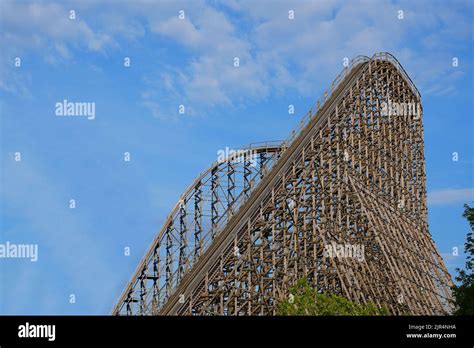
point(275, 52)
point(450, 196)
point(174, 61)
point(305, 53)
point(45, 29)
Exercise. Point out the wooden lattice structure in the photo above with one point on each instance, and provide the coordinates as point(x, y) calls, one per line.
point(353, 174)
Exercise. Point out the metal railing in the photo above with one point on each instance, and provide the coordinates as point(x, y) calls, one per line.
point(324, 97)
point(384, 56)
point(284, 144)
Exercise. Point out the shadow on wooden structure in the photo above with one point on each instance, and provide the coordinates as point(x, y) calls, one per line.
point(342, 203)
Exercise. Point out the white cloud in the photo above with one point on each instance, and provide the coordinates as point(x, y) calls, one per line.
point(210, 78)
point(41, 25)
point(44, 28)
point(276, 53)
point(454, 261)
point(13, 82)
point(180, 29)
point(450, 196)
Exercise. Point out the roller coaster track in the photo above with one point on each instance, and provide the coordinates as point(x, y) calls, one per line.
point(257, 221)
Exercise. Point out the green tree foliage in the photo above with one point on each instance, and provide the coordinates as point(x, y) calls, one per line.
point(307, 301)
point(463, 294)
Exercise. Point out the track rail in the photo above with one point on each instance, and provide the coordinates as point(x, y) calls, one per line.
point(255, 149)
point(180, 282)
point(312, 120)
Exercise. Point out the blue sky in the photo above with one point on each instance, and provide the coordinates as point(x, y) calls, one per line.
point(190, 62)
